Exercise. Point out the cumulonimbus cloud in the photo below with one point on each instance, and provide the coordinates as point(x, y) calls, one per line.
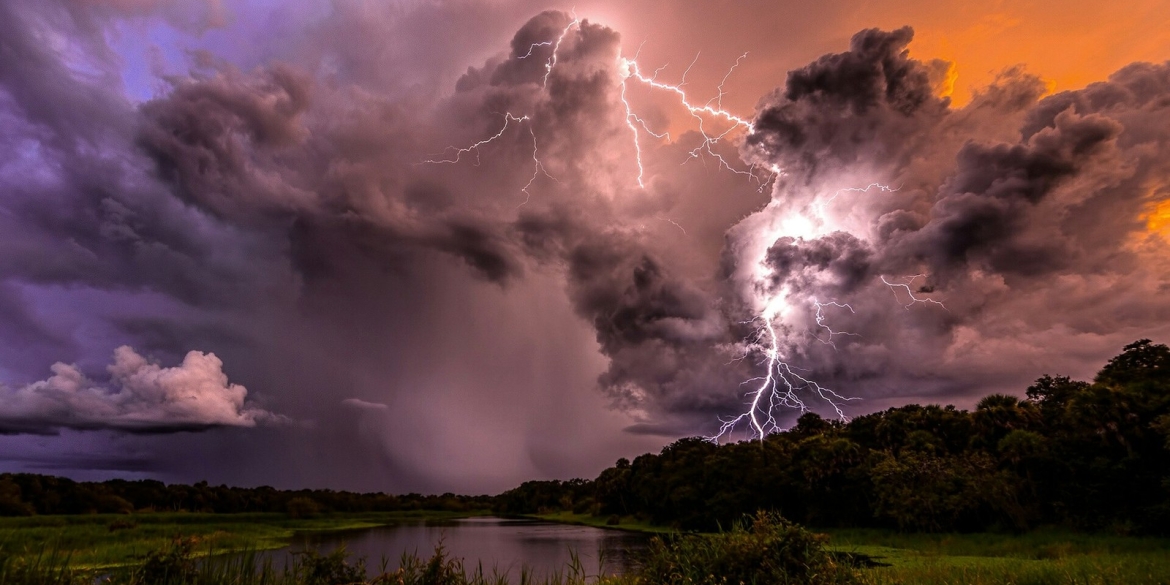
point(1025, 215)
point(140, 397)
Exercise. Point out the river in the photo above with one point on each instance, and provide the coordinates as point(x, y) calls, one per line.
point(501, 544)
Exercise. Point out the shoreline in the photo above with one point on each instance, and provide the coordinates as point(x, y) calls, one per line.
point(104, 541)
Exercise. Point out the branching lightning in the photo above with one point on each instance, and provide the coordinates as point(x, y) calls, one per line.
point(456, 154)
point(820, 317)
point(781, 386)
point(552, 60)
point(537, 170)
point(778, 388)
point(629, 69)
point(459, 152)
point(909, 280)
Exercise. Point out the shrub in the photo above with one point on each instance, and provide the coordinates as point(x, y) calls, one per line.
point(773, 551)
point(331, 569)
point(302, 507)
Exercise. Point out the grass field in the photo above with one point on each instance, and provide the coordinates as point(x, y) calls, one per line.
point(1039, 557)
point(104, 540)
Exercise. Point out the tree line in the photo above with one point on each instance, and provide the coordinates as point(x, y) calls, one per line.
point(26, 494)
point(1085, 455)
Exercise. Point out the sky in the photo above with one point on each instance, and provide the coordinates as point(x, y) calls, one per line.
point(453, 245)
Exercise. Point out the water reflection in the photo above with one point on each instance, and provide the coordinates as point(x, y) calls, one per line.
point(500, 544)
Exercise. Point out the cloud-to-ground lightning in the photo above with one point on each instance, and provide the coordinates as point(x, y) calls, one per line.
point(781, 387)
point(778, 388)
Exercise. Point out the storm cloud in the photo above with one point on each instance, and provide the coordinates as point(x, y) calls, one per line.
point(999, 226)
point(462, 249)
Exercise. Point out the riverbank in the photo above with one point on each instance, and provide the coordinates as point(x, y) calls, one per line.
point(106, 540)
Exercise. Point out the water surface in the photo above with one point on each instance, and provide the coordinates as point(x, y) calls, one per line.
point(500, 544)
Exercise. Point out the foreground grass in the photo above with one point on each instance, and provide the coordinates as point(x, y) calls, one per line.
point(1040, 557)
point(105, 540)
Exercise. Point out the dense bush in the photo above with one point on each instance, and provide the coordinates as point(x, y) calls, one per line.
point(772, 551)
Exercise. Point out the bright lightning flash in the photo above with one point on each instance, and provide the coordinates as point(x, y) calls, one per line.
point(779, 388)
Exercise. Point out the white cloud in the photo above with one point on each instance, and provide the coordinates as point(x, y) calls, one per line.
point(140, 396)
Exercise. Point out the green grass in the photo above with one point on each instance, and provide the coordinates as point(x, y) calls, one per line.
point(1040, 557)
point(103, 540)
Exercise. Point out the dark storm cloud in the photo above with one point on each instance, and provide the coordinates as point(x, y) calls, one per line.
point(982, 216)
point(836, 264)
point(661, 334)
point(213, 137)
point(79, 210)
point(869, 101)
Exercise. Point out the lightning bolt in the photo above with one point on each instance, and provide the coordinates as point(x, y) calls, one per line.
point(556, 45)
point(910, 292)
point(537, 170)
point(820, 317)
point(629, 69)
point(459, 152)
point(712, 109)
point(779, 388)
point(782, 386)
point(866, 189)
point(455, 155)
